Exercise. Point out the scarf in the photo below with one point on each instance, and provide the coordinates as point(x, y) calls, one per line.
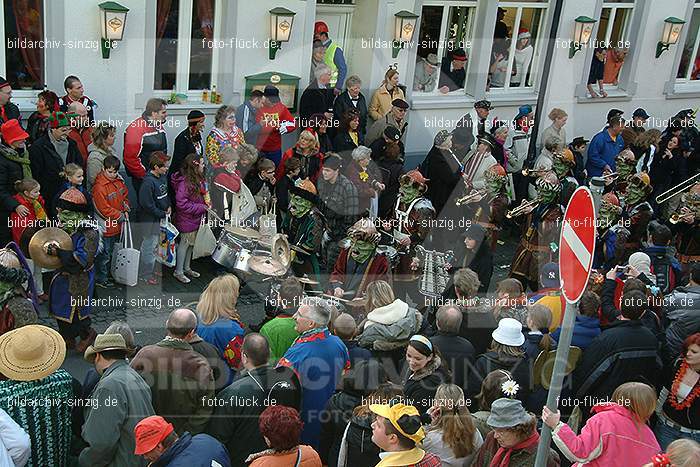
point(61, 146)
point(502, 457)
point(13, 155)
point(38, 209)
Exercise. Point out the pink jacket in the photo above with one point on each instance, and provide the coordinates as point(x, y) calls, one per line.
point(609, 436)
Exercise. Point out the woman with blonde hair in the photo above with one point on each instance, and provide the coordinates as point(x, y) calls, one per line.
point(382, 98)
point(219, 321)
point(558, 118)
point(451, 434)
point(307, 151)
point(102, 145)
point(618, 430)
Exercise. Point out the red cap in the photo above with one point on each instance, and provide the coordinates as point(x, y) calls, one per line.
point(149, 432)
point(320, 27)
point(12, 131)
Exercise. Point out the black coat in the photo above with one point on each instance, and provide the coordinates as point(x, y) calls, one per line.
point(334, 419)
point(391, 170)
point(37, 126)
point(458, 353)
point(343, 103)
point(315, 100)
point(361, 451)
point(46, 165)
point(421, 393)
point(344, 145)
point(10, 172)
point(443, 173)
point(183, 148)
point(518, 367)
point(452, 79)
point(665, 173)
point(477, 325)
point(10, 111)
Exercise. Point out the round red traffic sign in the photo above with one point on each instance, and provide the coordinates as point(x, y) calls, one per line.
point(577, 244)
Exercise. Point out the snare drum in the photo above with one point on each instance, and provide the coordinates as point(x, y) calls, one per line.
point(227, 250)
point(390, 252)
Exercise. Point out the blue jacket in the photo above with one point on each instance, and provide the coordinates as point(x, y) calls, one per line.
point(194, 451)
point(585, 330)
point(602, 151)
point(153, 198)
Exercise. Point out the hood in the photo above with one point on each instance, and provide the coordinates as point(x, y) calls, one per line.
point(588, 321)
point(612, 407)
point(388, 314)
point(177, 178)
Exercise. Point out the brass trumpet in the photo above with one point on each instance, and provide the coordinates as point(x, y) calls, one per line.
point(520, 210)
point(471, 197)
point(677, 190)
point(611, 177)
point(534, 172)
point(675, 218)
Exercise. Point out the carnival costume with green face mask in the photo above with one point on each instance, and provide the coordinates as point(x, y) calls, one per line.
point(561, 166)
point(625, 164)
point(298, 206)
point(637, 190)
point(547, 190)
point(70, 220)
point(609, 214)
point(494, 182)
point(361, 250)
point(408, 192)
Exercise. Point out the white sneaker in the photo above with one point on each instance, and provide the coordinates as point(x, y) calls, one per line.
point(182, 278)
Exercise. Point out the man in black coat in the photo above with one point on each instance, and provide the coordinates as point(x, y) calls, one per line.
point(352, 98)
point(442, 169)
point(8, 110)
point(235, 418)
point(50, 154)
point(318, 98)
point(453, 72)
point(457, 351)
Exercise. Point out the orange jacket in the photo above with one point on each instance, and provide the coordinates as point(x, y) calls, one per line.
point(111, 201)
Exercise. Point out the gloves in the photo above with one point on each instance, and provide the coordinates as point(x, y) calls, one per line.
point(283, 130)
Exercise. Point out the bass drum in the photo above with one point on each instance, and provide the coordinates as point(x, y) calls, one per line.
point(391, 254)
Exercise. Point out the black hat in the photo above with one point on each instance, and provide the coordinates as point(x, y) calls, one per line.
point(475, 232)
point(486, 138)
point(392, 133)
point(400, 103)
point(195, 116)
point(482, 104)
point(3, 82)
point(332, 161)
point(685, 113)
point(614, 113)
point(271, 91)
point(640, 112)
point(579, 140)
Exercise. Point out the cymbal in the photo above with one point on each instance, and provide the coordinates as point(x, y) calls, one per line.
point(280, 249)
point(306, 280)
point(245, 232)
point(39, 241)
point(25, 238)
point(266, 266)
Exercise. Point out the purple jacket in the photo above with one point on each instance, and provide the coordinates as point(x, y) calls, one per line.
point(189, 206)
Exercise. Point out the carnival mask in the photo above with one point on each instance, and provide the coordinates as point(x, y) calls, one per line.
point(408, 192)
point(298, 206)
point(637, 191)
point(609, 214)
point(548, 188)
point(70, 220)
point(361, 250)
point(494, 183)
point(561, 166)
point(625, 164)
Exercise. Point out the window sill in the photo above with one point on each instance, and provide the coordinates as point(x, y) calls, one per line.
point(184, 108)
point(429, 101)
point(505, 98)
point(683, 90)
point(614, 95)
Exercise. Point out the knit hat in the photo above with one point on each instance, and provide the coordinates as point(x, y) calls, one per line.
point(524, 34)
point(58, 120)
point(305, 189)
point(73, 200)
point(149, 432)
point(3, 82)
point(31, 352)
point(195, 116)
point(459, 54)
point(12, 131)
point(642, 263)
point(405, 418)
point(509, 332)
point(332, 162)
point(271, 91)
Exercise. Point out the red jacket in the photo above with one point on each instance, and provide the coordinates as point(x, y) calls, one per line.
point(17, 223)
point(141, 138)
point(111, 201)
point(83, 139)
point(271, 119)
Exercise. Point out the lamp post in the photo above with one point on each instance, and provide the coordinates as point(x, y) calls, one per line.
point(672, 32)
point(582, 34)
point(112, 22)
point(281, 20)
point(404, 27)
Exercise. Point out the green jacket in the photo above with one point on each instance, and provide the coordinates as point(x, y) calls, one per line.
point(280, 333)
point(120, 400)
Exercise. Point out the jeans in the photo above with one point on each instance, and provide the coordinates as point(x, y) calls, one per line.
point(666, 434)
point(148, 256)
point(104, 258)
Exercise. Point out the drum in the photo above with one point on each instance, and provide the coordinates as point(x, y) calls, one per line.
point(227, 250)
point(390, 252)
point(242, 258)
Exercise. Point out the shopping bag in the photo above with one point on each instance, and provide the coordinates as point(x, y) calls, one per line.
point(125, 260)
point(205, 242)
point(165, 251)
point(267, 224)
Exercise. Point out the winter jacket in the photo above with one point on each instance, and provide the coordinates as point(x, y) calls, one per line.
point(15, 444)
point(235, 418)
point(390, 326)
point(586, 328)
point(270, 458)
point(625, 351)
point(458, 353)
point(111, 199)
point(433, 443)
point(334, 419)
point(376, 131)
point(356, 352)
point(37, 126)
point(339, 205)
point(602, 151)
point(682, 318)
point(95, 163)
point(315, 100)
point(610, 435)
point(10, 172)
point(419, 387)
point(391, 170)
point(219, 368)
point(343, 144)
point(141, 139)
point(226, 335)
point(356, 446)
point(47, 165)
point(190, 206)
point(194, 451)
point(271, 119)
point(109, 429)
point(181, 381)
point(344, 102)
point(443, 171)
point(19, 224)
point(184, 146)
point(518, 367)
point(153, 198)
point(245, 119)
point(519, 458)
point(381, 101)
point(83, 139)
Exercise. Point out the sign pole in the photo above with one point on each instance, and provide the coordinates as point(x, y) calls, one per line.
point(557, 381)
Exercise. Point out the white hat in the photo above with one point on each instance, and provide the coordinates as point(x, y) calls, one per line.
point(509, 332)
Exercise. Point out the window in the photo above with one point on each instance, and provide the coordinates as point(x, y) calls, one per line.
point(23, 44)
point(516, 44)
point(184, 54)
point(613, 35)
point(445, 27)
point(689, 67)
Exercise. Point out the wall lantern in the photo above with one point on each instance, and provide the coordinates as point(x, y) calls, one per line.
point(281, 21)
point(582, 34)
point(404, 27)
point(672, 31)
point(112, 22)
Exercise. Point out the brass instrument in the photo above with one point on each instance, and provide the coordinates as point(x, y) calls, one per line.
point(534, 172)
point(520, 210)
point(472, 197)
point(675, 218)
point(678, 189)
point(610, 177)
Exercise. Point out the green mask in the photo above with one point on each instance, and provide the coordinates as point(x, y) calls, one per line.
point(625, 168)
point(609, 214)
point(548, 195)
point(560, 167)
point(298, 206)
point(361, 250)
point(635, 194)
point(70, 220)
point(408, 193)
point(494, 185)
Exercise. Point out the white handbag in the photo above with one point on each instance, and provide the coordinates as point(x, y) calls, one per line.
point(205, 241)
point(125, 261)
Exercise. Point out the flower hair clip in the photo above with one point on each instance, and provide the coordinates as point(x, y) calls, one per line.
point(661, 460)
point(510, 388)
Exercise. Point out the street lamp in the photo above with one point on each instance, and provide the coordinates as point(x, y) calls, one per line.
point(112, 22)
point(672, 31)
point(582, 34)
point(281, 20)
point(404, 27)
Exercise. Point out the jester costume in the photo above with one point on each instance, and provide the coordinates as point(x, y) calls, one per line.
point(636, 215)
point(304, 225)
point(71, 290)
point(608, 251)
point(538, 244)
point(490, 210)
point(562, 163)
point(359, 265)
point(687, 232)
point(16, 308)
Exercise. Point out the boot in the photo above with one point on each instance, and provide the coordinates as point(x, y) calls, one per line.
point(86, 341)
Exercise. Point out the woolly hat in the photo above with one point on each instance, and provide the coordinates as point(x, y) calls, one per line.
point(524, 34)
point(642, 263)
point(271, 91)
point(195, 116)
point(12, 131)
point(459, 54)
point(58, 120)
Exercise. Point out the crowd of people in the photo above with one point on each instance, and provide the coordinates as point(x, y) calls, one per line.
point(382, 344)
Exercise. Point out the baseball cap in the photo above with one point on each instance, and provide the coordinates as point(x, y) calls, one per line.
point(149, 432)
point(405, 418)
point(550, 276)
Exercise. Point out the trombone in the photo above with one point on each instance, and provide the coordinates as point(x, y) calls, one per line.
point(678, 189)
point(534, 172)
point(471, 197)
point(520, 210)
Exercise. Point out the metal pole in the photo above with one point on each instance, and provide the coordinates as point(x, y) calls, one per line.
point(597, 185)
point(567, 329)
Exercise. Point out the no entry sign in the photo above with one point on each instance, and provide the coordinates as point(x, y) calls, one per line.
point(576, 244)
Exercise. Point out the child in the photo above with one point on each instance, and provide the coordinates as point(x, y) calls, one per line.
point(28, 196)
point(111, 205)
point(74, 178)
point(191, 204)
point(155, 205)
point(511, 301)
point(537, 339)
point(345, 327)
point(664, 264)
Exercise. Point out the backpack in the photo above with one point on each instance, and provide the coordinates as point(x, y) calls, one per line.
point(662, 268)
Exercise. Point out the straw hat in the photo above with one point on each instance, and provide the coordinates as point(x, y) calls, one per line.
point(105, 342)
point(31, 352)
